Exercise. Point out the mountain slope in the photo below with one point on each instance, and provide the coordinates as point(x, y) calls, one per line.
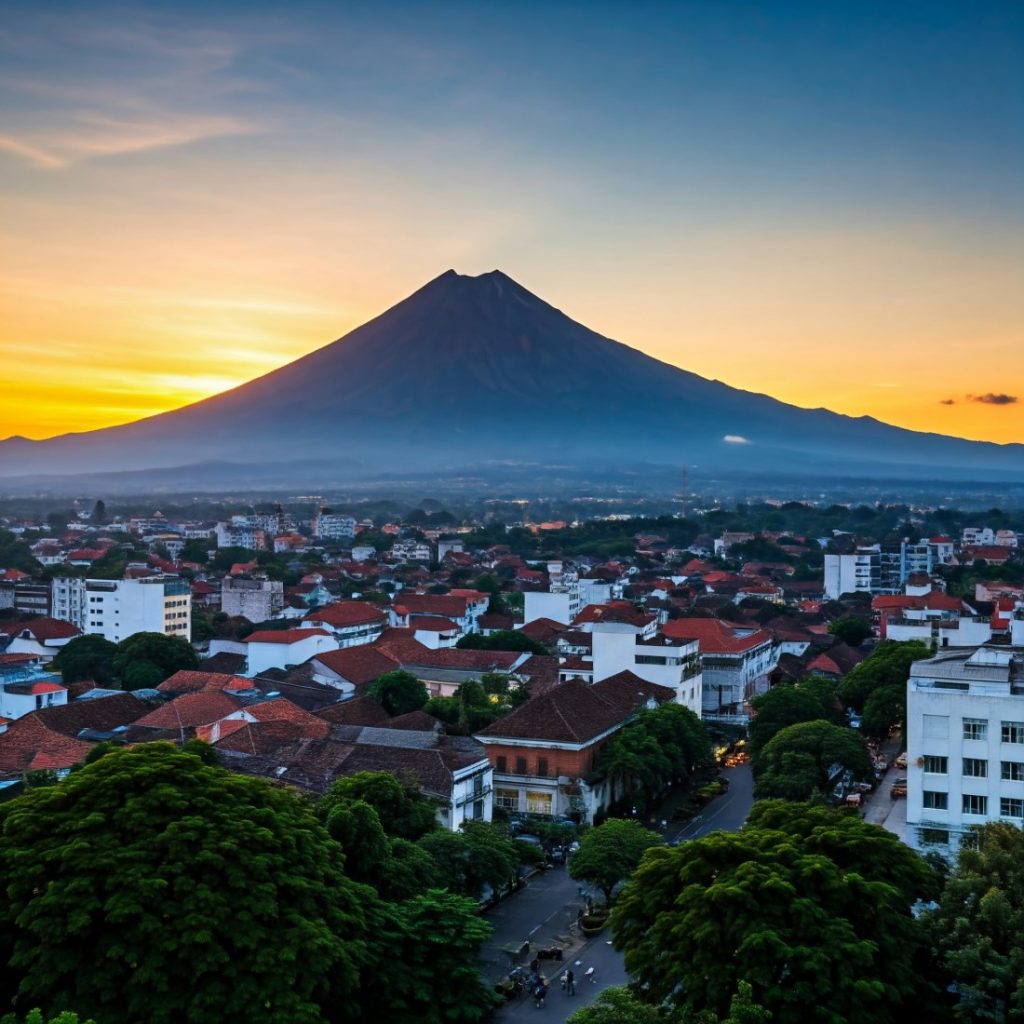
point(472, 369)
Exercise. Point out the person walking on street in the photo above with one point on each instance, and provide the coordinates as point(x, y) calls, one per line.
point(539, 994)
point(570, 983)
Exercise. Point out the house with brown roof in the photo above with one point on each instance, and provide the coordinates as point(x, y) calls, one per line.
point(43, 637)
point(25, 686)
point(544, 753)
point(351, 623)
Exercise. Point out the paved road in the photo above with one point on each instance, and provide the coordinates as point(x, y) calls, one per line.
point(544, 910)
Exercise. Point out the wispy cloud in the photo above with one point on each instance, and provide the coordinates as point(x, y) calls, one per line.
point(736, 439)
point(991, 398)
point(947, 401)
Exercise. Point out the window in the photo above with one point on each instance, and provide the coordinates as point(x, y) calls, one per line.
point(538, 803)
point(935, 801)
point(935, 765)
point(1013, 732)
point(507, 798)
point(975, 729)
point(520, 766)
point(542, 766)
point(1012, 771)
point(975, 804)
point(936, 727)
point(1011, 807)
point(934, 837)
point(975, 768)
point(501, 763)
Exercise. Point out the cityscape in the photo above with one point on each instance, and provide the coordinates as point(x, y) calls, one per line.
point(512, 512)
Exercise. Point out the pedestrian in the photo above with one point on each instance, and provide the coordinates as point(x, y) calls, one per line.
point(539, 994)
point(589, 972)
point(570, 983)
point(564, 980)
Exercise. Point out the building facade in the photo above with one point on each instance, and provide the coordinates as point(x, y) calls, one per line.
point(117, 609)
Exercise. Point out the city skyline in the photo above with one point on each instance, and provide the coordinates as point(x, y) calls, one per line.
point(822, 205)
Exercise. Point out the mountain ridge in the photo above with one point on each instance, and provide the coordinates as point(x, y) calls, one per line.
point(478, 368)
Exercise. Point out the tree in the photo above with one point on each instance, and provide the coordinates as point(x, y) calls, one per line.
point(151, 886)
point(851, 629)
point(36, 1017)
point(147, 659)
point(431, 976)
point(811, 906)
point(979, 925)
point(501, 640)
point(86, 657)
point(99, 512)
point(885, 707)
point(617, 1005)
point(400, 692)
point(478, 855)
point(403, 811)
point(785, 705)
point(798, 762)
point(888, 665)
point(609, 853)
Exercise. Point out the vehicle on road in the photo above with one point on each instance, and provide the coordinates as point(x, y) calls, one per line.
point(899, 788)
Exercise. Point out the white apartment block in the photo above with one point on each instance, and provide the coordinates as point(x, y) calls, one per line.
point(566, 597)
point(871, 570)
point(985, 536)
point(965, 745)
point(118, 609)
point(330, 526)
point(257, 600)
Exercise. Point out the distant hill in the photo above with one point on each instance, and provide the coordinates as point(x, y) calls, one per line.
point(477, 371)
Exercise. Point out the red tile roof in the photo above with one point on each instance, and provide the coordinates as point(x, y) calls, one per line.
point(43, 629)
point(342, 614)
point(614, 611)
point(190, 710)
point(715, 636)
point(432, 624)
point(359, 665)
point(283, 636)
point(189, 681)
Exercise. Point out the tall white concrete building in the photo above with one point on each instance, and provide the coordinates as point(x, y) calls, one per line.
point(117, 609)
point(965, 745)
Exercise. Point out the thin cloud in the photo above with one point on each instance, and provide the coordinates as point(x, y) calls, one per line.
point(735, 439)
point(33, 154)
point(992, 398)
point(947, 401)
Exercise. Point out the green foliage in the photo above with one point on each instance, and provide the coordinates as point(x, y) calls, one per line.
point(36, 1017)
point(15, 554)
point(430, 974)
point(742, 1010)
point(86, 657)
point(609, 853)
point(400, 692)
point(888, 665)
point(885, 707)
point(149, 886)
point(479, 854)
point(795, 763)
point(978, 928)
point(403, 811)
point(617, 1005)
point(788, 704)
point(147, 659)
point(501, 640)
point(851, 629)
point(812, 907)
point(659, 746)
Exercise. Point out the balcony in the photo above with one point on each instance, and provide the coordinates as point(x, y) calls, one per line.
point(473, 795)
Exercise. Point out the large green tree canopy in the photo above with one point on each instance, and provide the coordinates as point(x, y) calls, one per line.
point(89, 656)
point(979, 924)
point(796, 763)
point(400, 692)
point(609, 853)
point(788, 704)
point(888, 665)
point(147, 659)
point(810, 906)
point(151, 888)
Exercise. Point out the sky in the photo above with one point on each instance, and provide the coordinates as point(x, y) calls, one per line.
point(823, 202)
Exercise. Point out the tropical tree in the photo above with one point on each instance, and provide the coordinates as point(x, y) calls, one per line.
point(617, 1005)
point(978, 927)
point(888, 665)
point(800, 760)
point(478, 855)
point(812, 907)
point(501, 640)
point(399, 692)
point(851, 629)
point(89, 656)
point(149, 886)
point(885, 707)
point(147, 659)
point(609, 853)
point(788, 704)
point(403, 811)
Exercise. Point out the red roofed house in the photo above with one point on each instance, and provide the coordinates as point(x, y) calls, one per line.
point(351, 623)
point(736, 662)
point(42, 637)
point(279, 648)
point(463, 607)
point(352, 669)
point(544, 753)
point(26, 687)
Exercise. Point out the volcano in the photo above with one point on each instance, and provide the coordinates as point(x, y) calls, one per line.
point(473, 371)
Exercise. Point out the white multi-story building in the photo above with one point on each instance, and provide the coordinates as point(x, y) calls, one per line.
point(117, 609)
point(566, 597)
point(871, 570)
point(965, 745)
point(985, 536)
point(257, 600)
point(331, 526)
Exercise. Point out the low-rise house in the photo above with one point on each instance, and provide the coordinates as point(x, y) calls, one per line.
point(41, 637)
point(351, 623)
point(25, 686)
point(463, 607)
point(545, 752)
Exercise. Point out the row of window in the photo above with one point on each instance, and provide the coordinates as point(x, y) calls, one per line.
point(501, 765)
point(975, 768)
point(977, 729)
point(536, 803)
point(1009, 807)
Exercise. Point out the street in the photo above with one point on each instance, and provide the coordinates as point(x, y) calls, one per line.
point(544, 913)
